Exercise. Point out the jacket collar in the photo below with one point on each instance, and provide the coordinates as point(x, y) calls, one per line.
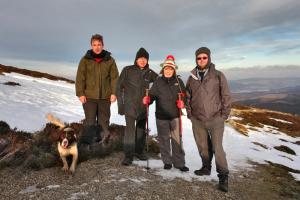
point(168, 79)
point(145, 68)
point(210, 69)
point(106, 57)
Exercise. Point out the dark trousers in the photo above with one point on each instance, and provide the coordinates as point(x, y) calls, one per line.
point(209, 137)
point(135, 136)
point(169, 142)
point(97, 112)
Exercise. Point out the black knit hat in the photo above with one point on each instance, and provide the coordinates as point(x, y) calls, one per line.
point(203, 50)
point(142, 53)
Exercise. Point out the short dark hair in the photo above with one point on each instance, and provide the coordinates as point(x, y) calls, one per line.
point(97, 37)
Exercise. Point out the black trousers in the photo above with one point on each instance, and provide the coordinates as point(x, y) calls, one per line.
point(135, 136)
point(97, 114)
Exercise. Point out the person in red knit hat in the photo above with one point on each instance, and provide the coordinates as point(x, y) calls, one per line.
point(168, 91)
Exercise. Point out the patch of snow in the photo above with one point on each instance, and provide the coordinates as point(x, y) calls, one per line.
point(236, 118)
point(78, 195)
point(296, 176)
point(280, 120)
point(137, 180)
point(52, 187)
point(121, 197)
point(29, 189)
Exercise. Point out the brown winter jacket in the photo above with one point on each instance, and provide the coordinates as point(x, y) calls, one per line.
point(96, 80)
point(208, 98)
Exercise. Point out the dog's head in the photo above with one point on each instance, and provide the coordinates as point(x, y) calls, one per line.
point(67, 137)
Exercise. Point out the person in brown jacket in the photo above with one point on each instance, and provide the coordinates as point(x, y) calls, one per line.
point(96, 81)
point(209, 106)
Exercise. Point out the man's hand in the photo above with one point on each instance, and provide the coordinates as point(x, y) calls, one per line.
point(82, 99)
point(113, 98)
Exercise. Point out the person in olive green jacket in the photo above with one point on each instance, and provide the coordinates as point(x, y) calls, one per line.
point(96, 81)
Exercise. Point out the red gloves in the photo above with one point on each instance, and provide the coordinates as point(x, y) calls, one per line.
point(182, 95)
point(180, 104)
point(146, 100)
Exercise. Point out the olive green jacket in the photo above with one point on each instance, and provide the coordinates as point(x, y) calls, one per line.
point(96, 80)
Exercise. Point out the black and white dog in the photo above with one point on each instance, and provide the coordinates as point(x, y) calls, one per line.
point(67, 144)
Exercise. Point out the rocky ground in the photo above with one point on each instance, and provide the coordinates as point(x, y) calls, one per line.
point(108, 179)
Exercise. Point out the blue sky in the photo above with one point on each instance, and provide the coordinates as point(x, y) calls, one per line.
point(53, 35)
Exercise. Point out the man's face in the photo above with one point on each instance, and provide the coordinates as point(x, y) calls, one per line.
point(141, 62)
point(202, 60)
point(97, 46)
point(168, 72)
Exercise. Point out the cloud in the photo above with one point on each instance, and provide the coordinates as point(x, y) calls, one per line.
point(273, 71)
point(59, 31)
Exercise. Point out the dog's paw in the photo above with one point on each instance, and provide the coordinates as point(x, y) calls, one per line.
point(65, 168)
point(72, 170)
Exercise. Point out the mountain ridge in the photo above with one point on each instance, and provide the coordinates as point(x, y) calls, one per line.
point(35, 74)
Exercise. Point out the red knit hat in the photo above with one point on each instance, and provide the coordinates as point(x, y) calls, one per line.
point(169, 62)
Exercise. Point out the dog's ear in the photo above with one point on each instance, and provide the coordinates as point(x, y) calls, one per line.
point(54, 135)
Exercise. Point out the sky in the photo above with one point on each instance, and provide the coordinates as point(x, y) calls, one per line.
point(52, 36)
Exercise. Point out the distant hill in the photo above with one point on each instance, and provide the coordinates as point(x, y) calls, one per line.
point(283, 99)
point(262, 84)
point(35, 74)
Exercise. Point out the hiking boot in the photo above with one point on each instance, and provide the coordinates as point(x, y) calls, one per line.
point(183, 169)
point(203, 171)
point(127, 161)
point(223, 183)
point(167, 166)
point(142, 156)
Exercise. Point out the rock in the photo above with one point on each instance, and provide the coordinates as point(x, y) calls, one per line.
point(285, 149)
point(11, 83)
point(4, 128)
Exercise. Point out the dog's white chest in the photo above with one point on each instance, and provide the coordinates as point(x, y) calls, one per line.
point(69, 151)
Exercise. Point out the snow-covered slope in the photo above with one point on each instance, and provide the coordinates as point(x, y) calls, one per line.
point(25, 107)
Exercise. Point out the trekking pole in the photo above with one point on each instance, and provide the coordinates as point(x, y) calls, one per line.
point(147, 131)
point(180, 123)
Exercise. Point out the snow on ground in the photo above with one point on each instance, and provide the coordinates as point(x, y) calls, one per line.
point(239, 150)
point(25, 107)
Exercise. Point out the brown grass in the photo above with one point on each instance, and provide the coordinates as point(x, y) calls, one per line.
point(256, 117)
point(285, 149)
point(238, 127)
point(261, 145)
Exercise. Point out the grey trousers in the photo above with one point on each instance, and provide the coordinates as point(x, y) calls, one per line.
point(169, 142)
point(209, 137)
point(135, 136)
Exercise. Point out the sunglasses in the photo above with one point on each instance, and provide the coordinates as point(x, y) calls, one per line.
point(201, 58)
